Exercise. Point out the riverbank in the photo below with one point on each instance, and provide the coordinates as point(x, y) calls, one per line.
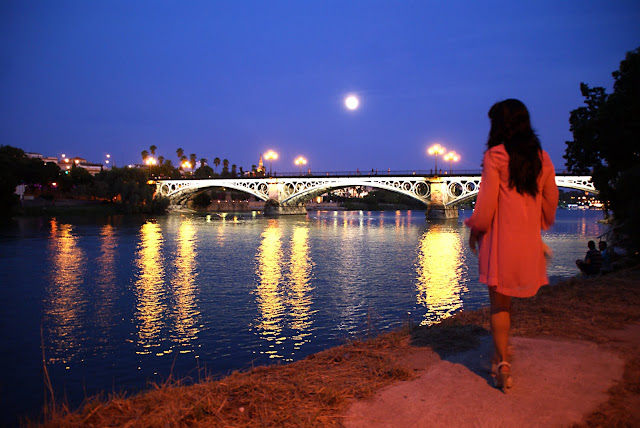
point(323, 389)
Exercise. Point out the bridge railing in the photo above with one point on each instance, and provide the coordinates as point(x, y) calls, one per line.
point(368, 173)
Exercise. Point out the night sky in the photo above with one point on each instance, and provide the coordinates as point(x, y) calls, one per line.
point(233, 79)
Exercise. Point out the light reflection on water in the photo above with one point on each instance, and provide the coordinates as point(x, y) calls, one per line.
point(65, 304)
point(183, 285)
point(439, 269)
point(117, 298)
point(269, 290)
point(149, 288)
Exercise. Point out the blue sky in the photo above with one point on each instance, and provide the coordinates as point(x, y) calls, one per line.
point(234, 79)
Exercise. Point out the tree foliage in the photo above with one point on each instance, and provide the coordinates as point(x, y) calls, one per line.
point(606, 142)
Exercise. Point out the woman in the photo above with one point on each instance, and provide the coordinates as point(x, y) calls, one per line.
point(517, 198)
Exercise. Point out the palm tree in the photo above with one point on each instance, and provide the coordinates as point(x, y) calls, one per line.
point(180, 153)
point(192, 159)
point(225, 167)
point(145, 155)
point(160, 160)
point(153, 149)
point(202, 162)
point(234, 170)
point(216, 162)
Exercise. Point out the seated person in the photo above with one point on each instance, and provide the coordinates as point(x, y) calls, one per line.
point(606, 256)
point(592, 261)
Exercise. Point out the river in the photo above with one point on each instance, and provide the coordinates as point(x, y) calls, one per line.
point(111, 304)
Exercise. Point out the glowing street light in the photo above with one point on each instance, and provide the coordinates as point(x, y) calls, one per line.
point(108, 159)
point(270, 155)
point(150, 161)
point(300, 161)
point(451, 157)
point(436, 149)
point(185, 164)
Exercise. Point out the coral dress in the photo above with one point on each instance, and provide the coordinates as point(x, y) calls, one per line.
point(511, 256)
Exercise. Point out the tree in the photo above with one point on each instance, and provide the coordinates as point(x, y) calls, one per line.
point(160, 160)
point(205, 171)
point(606, 136)
point(225, 168)
point(203, 161)
point(192, 160)
point(180, 153)
point(153, 149)
point(216, 162)
point(145, 155)
point(234, 170)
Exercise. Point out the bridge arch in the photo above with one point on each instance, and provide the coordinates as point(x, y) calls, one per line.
point(416, 188)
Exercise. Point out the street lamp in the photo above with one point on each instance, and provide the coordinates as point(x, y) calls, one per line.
point(436, 149)
point(269, 156)
point(300, 161)
point(451, 157)
point(150, 161)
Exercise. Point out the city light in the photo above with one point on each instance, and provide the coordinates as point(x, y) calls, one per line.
point(152, 161)
point(451, 157)
point(300, 161)
point(270, 155)
point(436, 150)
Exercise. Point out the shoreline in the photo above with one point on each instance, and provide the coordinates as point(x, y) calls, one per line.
point(319, 389)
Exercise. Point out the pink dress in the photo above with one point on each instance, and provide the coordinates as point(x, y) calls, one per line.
point(511, 257)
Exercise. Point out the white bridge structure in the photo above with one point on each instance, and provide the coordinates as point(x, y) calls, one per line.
point(287, 195)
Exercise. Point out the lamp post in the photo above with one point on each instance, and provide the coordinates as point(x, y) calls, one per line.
point(270, 155)
point(436, 150)
point(300, 161)
point(186, 164)
point(451, 157)
point(150, 161)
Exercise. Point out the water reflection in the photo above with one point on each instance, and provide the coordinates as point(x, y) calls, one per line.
point(149, 287)
point(106, 279)
point(439, 269)
point(65, 302)
point(300, 280)
point(184, 286)
point(270, 298)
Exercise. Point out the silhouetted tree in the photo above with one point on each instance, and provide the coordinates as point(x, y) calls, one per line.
point(605, 143)
point(216, 162)
point(153, 149)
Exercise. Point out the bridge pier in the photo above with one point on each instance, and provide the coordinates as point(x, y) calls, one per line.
point(436, 208)
point(273, 208)
point(440, 212)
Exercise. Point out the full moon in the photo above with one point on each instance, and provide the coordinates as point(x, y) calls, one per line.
point(352, 102)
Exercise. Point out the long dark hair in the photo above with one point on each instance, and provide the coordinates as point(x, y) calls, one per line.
point(511, 126)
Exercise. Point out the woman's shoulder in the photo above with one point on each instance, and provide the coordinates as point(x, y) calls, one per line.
point(546, 160)
point(496, 154)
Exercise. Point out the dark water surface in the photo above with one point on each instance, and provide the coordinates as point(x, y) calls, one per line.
point(119, 302)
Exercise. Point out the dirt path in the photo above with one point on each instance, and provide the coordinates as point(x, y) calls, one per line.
point(556, 383)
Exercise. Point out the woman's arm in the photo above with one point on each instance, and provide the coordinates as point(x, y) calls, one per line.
point(487, 200)
point(549, 193)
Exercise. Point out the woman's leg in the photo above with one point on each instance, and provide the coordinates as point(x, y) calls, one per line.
point(500, 323)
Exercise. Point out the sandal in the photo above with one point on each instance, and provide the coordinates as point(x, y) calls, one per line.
point(503, 380)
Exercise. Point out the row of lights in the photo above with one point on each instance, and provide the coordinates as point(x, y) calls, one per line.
point(452, 156)
point(271, 155)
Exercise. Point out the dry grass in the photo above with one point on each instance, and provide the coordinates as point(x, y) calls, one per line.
point(317, 390)
point(311, 392)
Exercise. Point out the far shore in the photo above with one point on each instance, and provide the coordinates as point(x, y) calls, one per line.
point(318, 390)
